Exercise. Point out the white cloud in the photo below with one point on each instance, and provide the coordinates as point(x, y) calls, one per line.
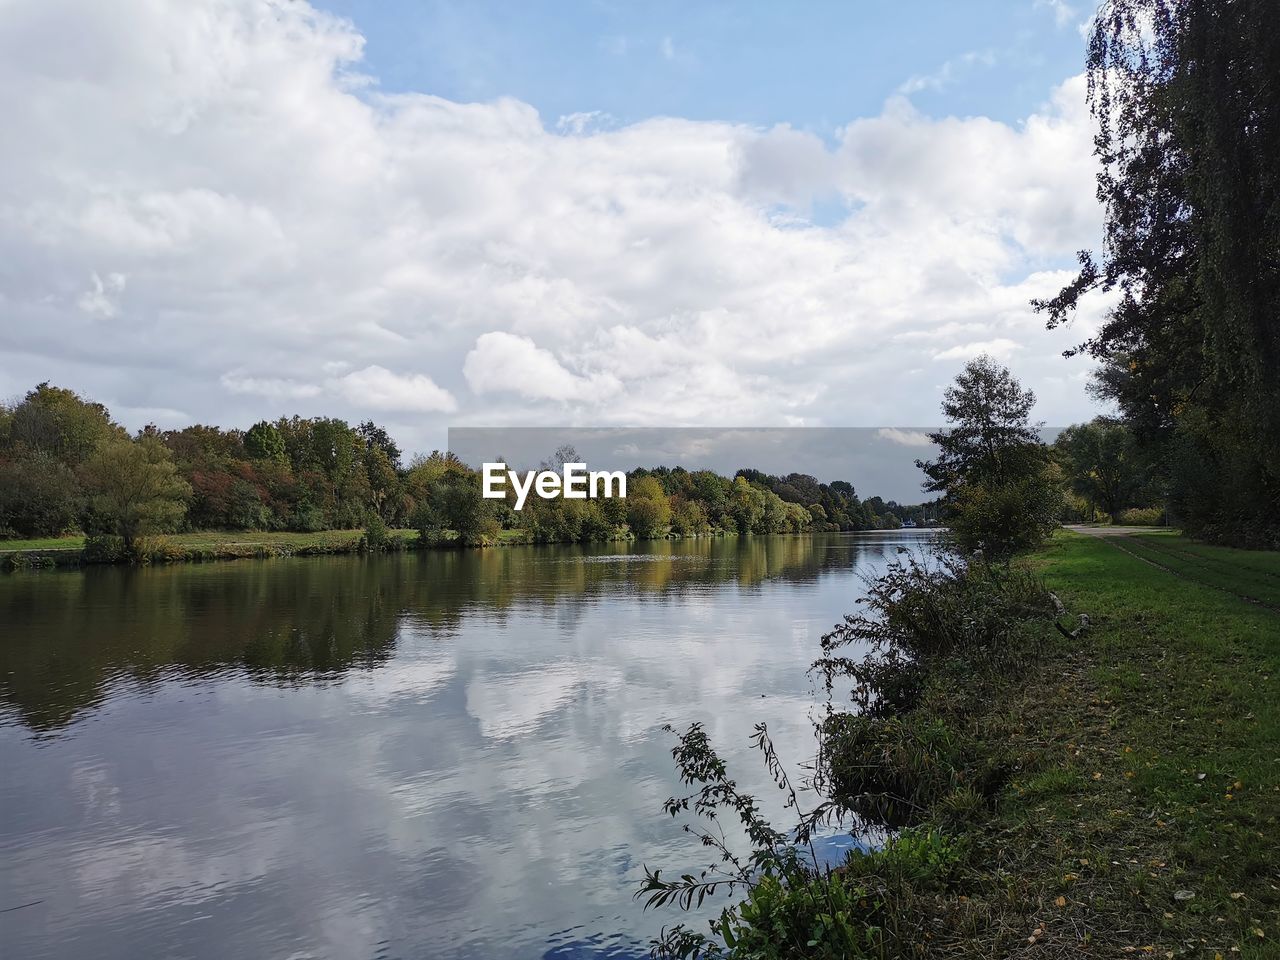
point(100, 299)
point(291, 236)
point(1000, 348)
point(377, 388)
point(1063, 13)
point(505, 363)
point(274, 388)
point(948, 73)
point(667, 49)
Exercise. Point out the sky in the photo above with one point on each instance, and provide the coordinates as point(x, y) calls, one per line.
point(481, 214)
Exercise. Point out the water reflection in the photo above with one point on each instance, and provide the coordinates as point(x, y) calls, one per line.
point(449, 754)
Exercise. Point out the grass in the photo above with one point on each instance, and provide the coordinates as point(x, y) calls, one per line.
point(1115, 793)
point(201, 545)
point(1144, 816)
point(209, 539)
point(42, 543)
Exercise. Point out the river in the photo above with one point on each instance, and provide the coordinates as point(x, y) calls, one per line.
point(449, 754)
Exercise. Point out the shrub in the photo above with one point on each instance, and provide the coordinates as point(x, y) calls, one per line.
point(104, 548)
point(308, 519)
point(918, 612)
point(1142, 516)
point(155, 549)
point(376, 535)
point(889, 770)
point(39, 496)
point(1007, 518)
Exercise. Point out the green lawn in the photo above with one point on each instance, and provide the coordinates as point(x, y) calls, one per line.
point(1148, 810)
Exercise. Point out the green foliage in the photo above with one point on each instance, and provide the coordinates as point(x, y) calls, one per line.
point(376, 534)
point(1002, 493)
point(263, 441)
point(105, 548)
point(1004, 519)
point(135, 485)
point(924, 627)
point(1102, 464)
point(39, 496)
point(990, 439)
point(451, 499)
point(648, 507)
point(57, 423)
point(1189, 129)
point(1141, 517)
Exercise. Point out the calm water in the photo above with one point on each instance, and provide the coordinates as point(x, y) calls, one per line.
point(449, 754)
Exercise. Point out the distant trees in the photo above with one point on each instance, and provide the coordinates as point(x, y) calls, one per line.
point(1001, 490)
point(1102, 464)
point(39, 496)
point(65, 465)
point(648, 509)
point(263, 441)
point(1185, 95)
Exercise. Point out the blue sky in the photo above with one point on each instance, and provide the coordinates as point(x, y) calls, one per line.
point(811, 65)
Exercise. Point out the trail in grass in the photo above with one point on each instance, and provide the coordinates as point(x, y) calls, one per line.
point(1249, 584)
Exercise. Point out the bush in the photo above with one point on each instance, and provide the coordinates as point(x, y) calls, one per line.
point(39, 497)
point(156, 550)
point(104, 548)
point(919, 612)
point(1005, 519)
point(888, 770)
point(1142, 516)
point(308, 519)
point(376, 534)
point(931, 630)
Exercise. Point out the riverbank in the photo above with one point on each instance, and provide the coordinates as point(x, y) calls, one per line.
point(209, 545)
point(1100, 783)
point(198, 546)
point(1137, 769)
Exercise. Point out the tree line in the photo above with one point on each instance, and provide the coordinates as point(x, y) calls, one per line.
point(66, 466)
point(1184, 92)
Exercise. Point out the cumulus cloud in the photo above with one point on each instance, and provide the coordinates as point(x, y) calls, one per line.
point(377, 388)
point(502, 362)
point(295, 239)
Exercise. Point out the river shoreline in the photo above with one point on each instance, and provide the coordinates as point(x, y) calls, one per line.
point(211, 546)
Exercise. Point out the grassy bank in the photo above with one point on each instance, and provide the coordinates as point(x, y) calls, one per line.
point(1141, 808)
point(1110, 794)
point(206, 545)
point(201, 545)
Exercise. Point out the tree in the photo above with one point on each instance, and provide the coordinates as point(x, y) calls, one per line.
point(746, 505)
point(58, 422)
point(1184, 93)
point(1102, 464)
point(991, 439)
point(39, 496)
point(263, 441)
point(648, 509)
point(452, 500)
point(1001, 492)
point(135, 485)
point(377, 438)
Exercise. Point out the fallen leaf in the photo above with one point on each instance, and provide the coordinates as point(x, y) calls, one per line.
point(1060, 902)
